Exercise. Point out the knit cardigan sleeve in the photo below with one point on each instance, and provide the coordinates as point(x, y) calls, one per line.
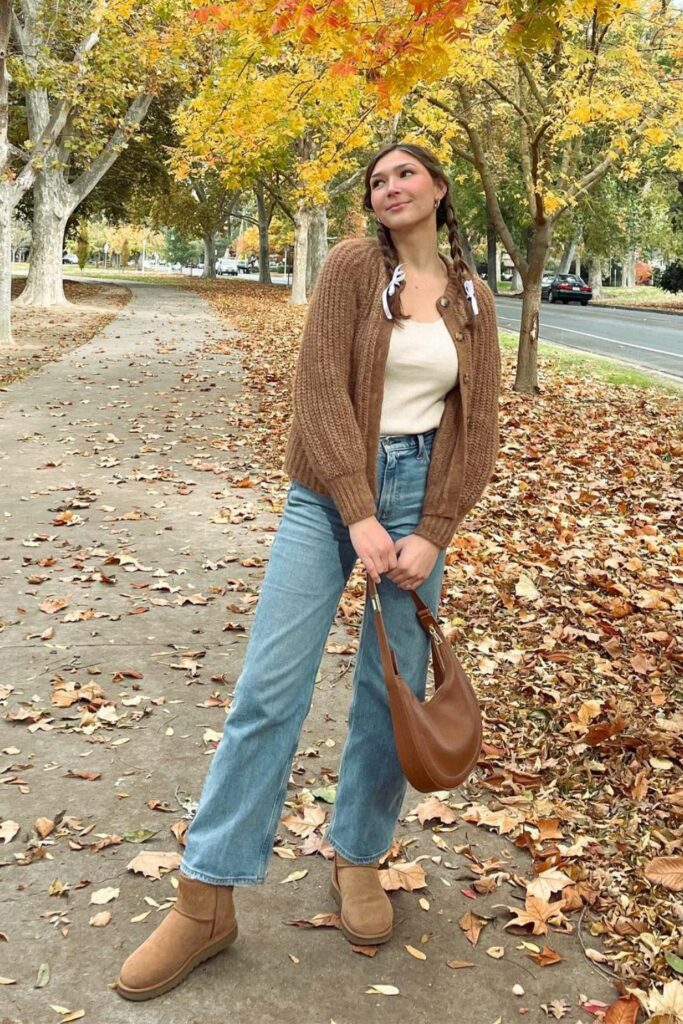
point(483, 428)
point(332, 438)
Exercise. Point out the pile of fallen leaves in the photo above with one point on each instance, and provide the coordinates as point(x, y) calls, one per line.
point(563, 600)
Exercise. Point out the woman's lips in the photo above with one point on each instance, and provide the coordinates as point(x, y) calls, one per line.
point(396, 206)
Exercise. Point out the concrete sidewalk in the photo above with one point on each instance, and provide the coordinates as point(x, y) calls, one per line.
point(120, 468)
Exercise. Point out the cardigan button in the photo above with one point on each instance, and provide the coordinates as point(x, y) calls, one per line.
point(443, 302)
point(465, 378)
point(459, 336)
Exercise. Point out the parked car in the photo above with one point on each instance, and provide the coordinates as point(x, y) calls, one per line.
point(70, 258)
point(227, 265)
point(569, 288)
point(546, 281)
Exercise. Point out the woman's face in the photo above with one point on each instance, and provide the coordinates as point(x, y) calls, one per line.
point(402, 191)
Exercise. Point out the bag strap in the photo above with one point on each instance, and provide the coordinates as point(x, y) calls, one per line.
point(428, 623)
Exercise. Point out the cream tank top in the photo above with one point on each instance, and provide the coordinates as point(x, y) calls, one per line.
point(422, 367)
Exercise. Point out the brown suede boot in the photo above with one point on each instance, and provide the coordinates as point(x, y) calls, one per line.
point(367, 915)
point(201, 923)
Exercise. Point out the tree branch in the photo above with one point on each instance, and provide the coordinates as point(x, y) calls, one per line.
point(506, 99)
point(86, 181)
point(495, 212)
point(540, 99)
point(344, 186)
point(462, 153)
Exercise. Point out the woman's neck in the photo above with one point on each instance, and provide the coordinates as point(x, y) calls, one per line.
point(417, 248)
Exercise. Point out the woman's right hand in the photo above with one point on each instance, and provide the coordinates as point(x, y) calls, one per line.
point(374, 546)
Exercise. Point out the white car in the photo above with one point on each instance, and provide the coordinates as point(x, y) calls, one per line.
point(227, 265)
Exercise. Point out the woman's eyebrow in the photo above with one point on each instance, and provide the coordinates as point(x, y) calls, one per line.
point(398, 167)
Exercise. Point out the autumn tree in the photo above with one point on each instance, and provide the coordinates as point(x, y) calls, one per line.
point(121, 52)
point(580, 90)
point(268, 108)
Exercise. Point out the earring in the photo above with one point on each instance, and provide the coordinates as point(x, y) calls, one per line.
point(436, 203)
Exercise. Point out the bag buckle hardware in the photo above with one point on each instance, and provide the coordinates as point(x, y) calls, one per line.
point(374, 598)
point(435, 636)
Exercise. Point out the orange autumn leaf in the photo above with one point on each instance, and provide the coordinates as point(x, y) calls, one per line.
point(539, 913)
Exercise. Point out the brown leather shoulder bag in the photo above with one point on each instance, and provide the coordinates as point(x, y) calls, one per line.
point(438, 740)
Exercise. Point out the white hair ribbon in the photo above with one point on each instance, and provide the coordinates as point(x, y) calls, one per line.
point(390, 290)
point(469, 292)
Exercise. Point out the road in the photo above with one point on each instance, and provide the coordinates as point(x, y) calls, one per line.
point(652, 341)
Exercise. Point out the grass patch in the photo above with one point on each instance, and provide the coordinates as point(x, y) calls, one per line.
point(642, 297)
point(555, 359)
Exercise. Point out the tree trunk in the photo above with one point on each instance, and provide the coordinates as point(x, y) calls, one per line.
point(526, 379)
point(569, 251)
point(629, 271)
point(6, 191)
point(209, 240)
point(491, 256)
point(302, 220)
point(6, 207)
point(44, 286)
point(317, 246)
point(263, 245)
point(595, 276)
point(516, 284)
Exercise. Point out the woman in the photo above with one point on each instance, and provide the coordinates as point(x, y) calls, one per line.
point(394, 438)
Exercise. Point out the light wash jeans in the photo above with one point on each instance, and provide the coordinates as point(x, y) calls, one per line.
point(229, 842)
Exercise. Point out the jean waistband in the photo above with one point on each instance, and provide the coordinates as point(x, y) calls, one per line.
point(405, 442)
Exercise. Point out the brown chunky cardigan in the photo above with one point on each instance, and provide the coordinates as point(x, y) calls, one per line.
point(339, 387)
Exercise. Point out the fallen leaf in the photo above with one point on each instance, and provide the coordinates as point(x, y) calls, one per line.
point(105, 895)
point(151, 863)
point(51, 605)
point(667, 871)
point(295, 876)
point(382, 990)
point(43, 976)
point(8, 830)
point(417, 953)
point(406, 875)
point(101, 919)
point(332, 920)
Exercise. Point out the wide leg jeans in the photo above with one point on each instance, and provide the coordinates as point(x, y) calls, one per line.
point(229, 842)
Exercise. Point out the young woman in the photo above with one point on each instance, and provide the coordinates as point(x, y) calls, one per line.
point(394, 438)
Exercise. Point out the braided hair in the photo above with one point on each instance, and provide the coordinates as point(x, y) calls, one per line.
point(445, 214)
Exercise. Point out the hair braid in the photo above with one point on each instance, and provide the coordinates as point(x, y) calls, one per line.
point(460, 268)
point(390, 257)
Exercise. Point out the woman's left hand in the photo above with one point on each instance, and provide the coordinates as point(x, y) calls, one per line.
point(416, 557)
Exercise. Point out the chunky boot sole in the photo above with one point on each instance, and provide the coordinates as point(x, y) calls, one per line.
point(358, 940)
point(140, 994)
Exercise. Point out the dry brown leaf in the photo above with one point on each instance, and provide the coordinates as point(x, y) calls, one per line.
point(417, 953)
point(51, 605)
point(472, 926)
point(332, 920)
point(407, 875)
point(8, 830)
point(152, 863)
point(434, 809)
point(538, 913)
point(666, 871)
point(100, 920)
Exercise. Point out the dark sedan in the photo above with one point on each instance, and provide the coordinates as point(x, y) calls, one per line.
point(566, 288)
